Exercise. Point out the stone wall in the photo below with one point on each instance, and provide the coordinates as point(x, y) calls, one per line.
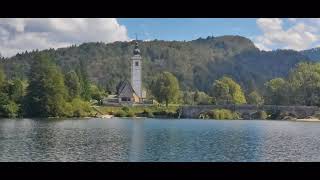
point(299, 111)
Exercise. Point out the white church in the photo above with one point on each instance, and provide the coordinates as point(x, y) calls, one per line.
point(132, 92)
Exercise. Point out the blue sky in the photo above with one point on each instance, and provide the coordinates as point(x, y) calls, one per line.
point(27, 34)
point(188, 29)
point(267, 34)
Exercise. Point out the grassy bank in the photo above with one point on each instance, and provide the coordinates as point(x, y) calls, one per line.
point(140, 111)
point(172, 112)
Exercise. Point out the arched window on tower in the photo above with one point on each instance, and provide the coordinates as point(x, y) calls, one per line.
point(137, 63)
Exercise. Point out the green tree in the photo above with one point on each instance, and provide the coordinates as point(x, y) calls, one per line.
point(84, 81)
point(203, 98)
point(46, 92)
point(17, 90)
point(187, 97)
point(72, 82)
point(255, 98)
point(277, 91)
point(304, 83)
point(8, 108)
point(166, 88)
point(225, 90)
point(97, 93)
point(2, 77)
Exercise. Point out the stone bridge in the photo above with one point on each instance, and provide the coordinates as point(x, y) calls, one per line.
point(299, 111)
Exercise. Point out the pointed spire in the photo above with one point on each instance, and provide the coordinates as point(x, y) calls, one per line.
point(136, 48)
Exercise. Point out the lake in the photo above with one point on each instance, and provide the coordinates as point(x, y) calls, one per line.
point(152, 140)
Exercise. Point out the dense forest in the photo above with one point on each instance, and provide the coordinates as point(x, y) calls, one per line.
point(196, 63)
point(215, 70)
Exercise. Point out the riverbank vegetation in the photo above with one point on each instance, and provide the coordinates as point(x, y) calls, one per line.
point(220, 114)
point(226, 114)
point(49, 91)
point(170, 111)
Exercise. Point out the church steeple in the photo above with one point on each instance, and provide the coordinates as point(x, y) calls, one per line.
point(136, 50)
point(136, 68)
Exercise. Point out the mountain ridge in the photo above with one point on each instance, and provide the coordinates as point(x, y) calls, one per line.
point(196, 63)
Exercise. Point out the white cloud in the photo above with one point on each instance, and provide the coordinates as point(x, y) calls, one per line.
point(292, 19)
point(300, 34)
point(21, 34)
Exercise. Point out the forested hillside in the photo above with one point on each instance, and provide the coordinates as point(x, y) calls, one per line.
point(313, 54)
point(196, 64)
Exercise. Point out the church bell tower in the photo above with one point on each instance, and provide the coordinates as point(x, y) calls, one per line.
point(136, 71)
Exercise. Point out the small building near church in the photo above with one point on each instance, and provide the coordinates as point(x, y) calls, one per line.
point(126, 93)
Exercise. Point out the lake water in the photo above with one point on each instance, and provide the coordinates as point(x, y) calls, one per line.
point(158, 140)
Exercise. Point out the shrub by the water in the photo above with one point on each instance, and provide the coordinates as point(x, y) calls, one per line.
point(260, 115)
point(126, 109)
point(130, 114)
point(160, 113)
point(223, 114)
point(10, 110)
point(80, 108)
point(275, 115)
point(121, 113)
point(279, 115)
point(147, 113)
point(246, 115)
point(150, 114)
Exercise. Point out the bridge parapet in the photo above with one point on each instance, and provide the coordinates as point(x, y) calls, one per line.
point(300, 111)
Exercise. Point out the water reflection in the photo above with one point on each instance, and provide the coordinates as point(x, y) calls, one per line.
point(157, 140)
point(137, 141)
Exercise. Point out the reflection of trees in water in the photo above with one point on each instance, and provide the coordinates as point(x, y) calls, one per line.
point(44, 137)
point(149, 140)
point(56, 140)
point(3, 145)
point(16, 140)
point(76, 140)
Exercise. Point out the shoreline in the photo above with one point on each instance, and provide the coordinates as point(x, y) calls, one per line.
point(108, 116)
point(307, 120)
point(293, 120)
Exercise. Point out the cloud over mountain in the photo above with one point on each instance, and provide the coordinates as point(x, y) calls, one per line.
point(297, 34)
point(21, 34)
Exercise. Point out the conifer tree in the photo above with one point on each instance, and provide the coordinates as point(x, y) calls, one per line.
point(46, 92)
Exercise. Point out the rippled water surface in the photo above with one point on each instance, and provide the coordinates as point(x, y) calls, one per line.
point(158, 140)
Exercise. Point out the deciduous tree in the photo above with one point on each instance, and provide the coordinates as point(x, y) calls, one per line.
point(166, 88)
point(227, 91)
